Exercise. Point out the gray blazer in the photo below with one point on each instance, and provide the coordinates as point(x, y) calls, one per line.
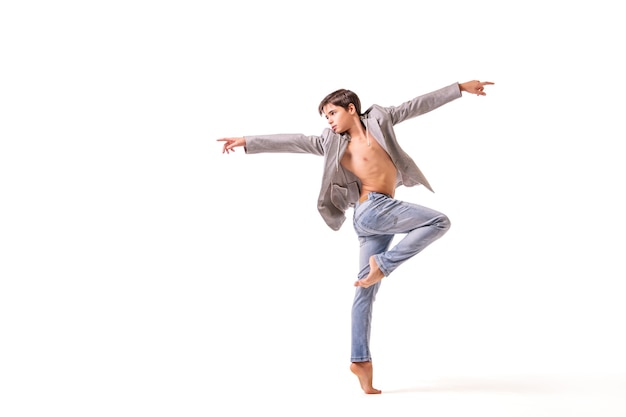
point(340, 188)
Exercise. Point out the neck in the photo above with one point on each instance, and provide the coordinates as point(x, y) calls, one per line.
point(358, 131)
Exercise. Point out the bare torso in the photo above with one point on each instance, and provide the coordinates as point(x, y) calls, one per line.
point(372, 165)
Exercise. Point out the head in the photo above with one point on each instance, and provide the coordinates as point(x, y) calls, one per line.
point(340, 106)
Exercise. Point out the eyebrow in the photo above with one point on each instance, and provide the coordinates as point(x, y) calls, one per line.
point(329, 110)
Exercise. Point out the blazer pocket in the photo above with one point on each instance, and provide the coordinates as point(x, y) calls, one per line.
point(344, 197)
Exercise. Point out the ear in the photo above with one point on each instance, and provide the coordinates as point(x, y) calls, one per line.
point(351, 108)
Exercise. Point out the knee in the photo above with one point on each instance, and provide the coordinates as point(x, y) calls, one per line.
point(443, 222)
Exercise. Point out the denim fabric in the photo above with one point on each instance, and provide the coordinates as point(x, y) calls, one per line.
point(376, 221)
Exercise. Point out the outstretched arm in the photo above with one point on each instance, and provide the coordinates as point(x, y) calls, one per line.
point(231, 143)
point(475, 87)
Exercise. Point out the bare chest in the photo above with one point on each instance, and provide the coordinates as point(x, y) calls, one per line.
point(363, 156)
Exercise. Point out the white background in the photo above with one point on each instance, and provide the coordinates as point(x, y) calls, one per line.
point(143, 272)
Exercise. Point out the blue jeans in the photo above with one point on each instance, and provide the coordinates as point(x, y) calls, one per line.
point(376, 221)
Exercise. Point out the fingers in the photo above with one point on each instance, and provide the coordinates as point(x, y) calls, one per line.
point(228, 147)
point(229, 143)
point(480, 87)
point(476, 87)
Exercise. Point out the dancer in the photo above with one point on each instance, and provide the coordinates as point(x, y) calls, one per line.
point(363, 166)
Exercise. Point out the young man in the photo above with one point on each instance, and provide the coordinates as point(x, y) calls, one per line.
point(363, 166)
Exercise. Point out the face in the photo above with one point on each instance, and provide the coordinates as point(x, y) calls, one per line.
point(339, 119)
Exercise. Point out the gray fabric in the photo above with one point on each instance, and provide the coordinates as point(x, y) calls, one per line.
point(340, 188)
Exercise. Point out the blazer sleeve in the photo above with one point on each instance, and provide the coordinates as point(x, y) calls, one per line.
point(284, 143)
point(424, 103)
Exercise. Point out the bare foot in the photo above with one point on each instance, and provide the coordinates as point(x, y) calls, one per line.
point(365, 372)
point(373, 277)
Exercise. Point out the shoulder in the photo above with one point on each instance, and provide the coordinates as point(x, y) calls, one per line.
point(327, 133)
point(328, 136)
point(377, 112)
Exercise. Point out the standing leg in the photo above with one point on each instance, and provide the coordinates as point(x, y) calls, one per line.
point(363, 304)
point(364, 298)
point(362, 307)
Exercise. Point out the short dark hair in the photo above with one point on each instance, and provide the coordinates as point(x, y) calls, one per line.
point(341, 98)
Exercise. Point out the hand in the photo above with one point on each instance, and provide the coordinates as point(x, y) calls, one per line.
point(231, 143)
point(475, 87)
